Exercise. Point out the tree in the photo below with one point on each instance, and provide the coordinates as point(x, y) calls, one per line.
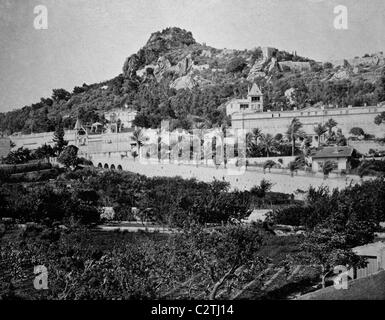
point(236, 65)
point(134, 154)
point(58, 138)
point(329, 249)
point(330, 124)
point(319, 130)
point(44, 152)
point(18, 156)
point(237, 248)
point(357, 131)
point(60, 94)
point(267, 143)
point(139, 138)
point(293, 166)
point(341, 139)
point(380, 119)
point(261, 190)
point(328, 65)
point(250, 144)
point(294, 132)
point(268, 165)
point(257, 133)
point(328, 167)
point(69, 156)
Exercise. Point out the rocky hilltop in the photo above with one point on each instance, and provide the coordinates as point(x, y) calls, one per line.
point(174, 77)
point(174, 53)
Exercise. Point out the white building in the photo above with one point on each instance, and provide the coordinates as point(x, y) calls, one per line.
point(253, 102)
point(340, 155)
point(123, 116)
point(375, 257)
point(274, 122)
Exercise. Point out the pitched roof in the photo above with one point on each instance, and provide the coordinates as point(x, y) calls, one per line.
point(255, 91)
point(334, 152)
point(370, 249)
point(78, 124)
point(368, 288)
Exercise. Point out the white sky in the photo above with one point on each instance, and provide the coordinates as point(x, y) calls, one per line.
point(88, 40)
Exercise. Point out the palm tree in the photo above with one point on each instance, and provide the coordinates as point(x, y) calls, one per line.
point(257, 133)
point(319, 130)
point(252, 139)
point(330, 124)
point(250, 143)
point(267, 143)
point(139, 138)
point(224, 128)
point(294, 132)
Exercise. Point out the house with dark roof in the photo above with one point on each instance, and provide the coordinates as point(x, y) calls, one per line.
point(340, 155)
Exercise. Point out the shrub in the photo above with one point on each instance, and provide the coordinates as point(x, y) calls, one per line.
point(268, 164)
point(293, 215)
point(236, 65)
point(328, 167)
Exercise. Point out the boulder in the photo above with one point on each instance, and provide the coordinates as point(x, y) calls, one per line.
point(163, 65)
point(341, 75)
point(185, 82)
point(184, 66)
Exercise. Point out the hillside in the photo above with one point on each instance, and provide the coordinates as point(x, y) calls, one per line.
point(174, 77)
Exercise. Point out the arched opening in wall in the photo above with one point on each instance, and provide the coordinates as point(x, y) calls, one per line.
point(100, 165)
point(112, 167)
point(106, 166)
point(120, 167)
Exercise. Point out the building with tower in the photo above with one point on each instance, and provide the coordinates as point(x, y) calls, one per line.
point(253, 103)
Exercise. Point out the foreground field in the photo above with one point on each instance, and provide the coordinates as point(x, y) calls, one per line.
point(70, 257)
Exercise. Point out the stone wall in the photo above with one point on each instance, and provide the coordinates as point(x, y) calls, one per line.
point(238, 178)
point(35, 140)
point(278, 122)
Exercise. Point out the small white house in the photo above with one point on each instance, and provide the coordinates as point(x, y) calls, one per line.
point(341, 155)
point(125, 116)
point(375, 255)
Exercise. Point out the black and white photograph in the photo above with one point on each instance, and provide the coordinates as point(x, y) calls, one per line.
point(211, 151)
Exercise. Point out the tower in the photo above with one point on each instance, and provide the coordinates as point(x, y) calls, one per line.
point(255, 97)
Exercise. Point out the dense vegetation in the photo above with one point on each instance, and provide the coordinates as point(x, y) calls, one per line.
point(169, 201)
point(200, 261)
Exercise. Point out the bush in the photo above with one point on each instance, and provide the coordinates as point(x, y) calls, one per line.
point(293, 215)
point(22, 168)
point(236, 65)
point(328, 167)
point(371, 168)
point(269, 164)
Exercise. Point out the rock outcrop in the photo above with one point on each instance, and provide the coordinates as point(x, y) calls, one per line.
point(157, 46)
point(185, 82)
point(290, 96)
point(131, 66)
point(163, 66)
point(262, 67)
point(184, 66)
point(295, 66)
